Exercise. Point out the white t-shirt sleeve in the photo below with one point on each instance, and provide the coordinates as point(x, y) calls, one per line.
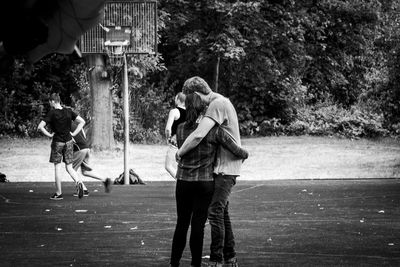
point(216, 111)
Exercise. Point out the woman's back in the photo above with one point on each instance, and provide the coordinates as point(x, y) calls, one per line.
point(197, 164)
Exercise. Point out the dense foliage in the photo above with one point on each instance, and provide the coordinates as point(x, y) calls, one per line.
point(288, 61)
point(24, 92)
point(329, 67)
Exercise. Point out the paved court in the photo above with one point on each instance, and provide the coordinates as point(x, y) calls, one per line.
point(277, 223)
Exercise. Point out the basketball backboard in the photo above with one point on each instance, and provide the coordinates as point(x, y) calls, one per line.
point(127, 25)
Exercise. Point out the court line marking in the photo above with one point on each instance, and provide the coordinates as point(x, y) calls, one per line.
point(88, 232)
point(7, 200)
point(248, 188)
point(327, 255)
point(326, 199)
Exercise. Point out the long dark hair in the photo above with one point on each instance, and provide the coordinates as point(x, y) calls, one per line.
point(194, 108)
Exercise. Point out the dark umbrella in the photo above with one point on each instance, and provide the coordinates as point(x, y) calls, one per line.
point(36, 28)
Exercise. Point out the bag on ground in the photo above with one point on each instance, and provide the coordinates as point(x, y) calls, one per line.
point(133, 178)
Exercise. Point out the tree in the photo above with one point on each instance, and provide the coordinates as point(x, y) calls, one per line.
point(201, 36)
point(25, 90)
point(274, 57)
point(102, 136)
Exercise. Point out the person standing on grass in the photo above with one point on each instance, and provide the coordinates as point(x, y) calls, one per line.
point(175, 117)
point(81, 160)
point(220, 112)
point(195, 185)
point(59, 119)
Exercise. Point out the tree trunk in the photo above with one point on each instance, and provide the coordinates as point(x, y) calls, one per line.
point(216, 74)
point(102, 135)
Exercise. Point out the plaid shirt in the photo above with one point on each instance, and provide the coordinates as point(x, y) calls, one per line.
point(198, 163)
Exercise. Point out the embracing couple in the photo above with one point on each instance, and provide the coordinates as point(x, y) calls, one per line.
point(209, 160)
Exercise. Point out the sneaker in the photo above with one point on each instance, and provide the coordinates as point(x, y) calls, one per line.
point(232, 262)
point(85, 193)
point(56, 197)
point(80, 190)
point(107, 185)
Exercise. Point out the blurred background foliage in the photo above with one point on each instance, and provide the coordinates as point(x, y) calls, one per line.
point(329, 67)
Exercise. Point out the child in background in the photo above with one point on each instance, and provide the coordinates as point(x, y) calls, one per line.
point(59, 119)
point(81, 160)
point(175, 117)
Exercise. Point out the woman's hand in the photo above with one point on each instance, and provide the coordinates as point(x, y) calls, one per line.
point(167, 134)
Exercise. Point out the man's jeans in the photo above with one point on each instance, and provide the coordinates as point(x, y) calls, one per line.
point(222, 239)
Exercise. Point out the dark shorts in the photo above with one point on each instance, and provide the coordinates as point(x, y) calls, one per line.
point(81, 159)
point(62, 152)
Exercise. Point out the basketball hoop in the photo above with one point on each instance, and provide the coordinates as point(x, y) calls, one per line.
point(117, 42)
point(116, 58)
point(128, 28)
point(131, 21)
point(116, 51)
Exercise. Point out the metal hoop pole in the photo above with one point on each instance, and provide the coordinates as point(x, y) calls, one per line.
point(126, 121)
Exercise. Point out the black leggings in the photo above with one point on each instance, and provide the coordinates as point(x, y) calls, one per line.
point(192, 201)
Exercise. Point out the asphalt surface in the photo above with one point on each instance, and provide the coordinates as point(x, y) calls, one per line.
point(276, 223)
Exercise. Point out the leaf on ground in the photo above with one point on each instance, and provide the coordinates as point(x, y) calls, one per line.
point(80, 211)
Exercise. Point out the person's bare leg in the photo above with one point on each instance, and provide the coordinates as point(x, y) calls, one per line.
point(74, 175)
point(93, 174)
point(57, 170)
point(83, 185)
point(106, 181)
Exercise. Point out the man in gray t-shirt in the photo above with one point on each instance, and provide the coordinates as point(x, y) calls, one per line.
point(227, 167)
